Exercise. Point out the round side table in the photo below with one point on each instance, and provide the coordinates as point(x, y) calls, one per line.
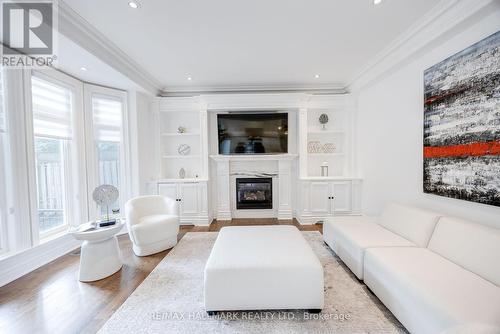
point(100, 255)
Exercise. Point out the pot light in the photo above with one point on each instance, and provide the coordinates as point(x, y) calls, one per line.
point(133, 4)
point(377, 2)
point(317, 76)
point(189, 78)
point(83, 68)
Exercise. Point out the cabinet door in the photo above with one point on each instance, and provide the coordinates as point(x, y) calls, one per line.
point(319, 198)
point(342, 197)
point(188, 193)
point(168, 190)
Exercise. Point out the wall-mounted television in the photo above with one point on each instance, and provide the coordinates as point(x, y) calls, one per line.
point(253, 133)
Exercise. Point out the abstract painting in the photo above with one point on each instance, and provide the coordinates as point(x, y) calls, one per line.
point(462, 124)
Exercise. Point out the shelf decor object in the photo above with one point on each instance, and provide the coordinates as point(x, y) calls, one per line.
point(184, 149)
point(314, 146)
point(181, 129)
point(182, 173)
point(104, 195)
point(324, 169)
point(323, 119)
point(329, 148)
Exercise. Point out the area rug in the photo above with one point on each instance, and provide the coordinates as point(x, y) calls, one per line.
point(170, 300)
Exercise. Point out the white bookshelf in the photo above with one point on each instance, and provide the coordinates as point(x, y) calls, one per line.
point(336, 132)
point(170, 118)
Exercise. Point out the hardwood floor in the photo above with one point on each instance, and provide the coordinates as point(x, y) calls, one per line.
point(52, 300)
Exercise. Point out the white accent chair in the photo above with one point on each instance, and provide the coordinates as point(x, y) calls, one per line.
point(153, 224)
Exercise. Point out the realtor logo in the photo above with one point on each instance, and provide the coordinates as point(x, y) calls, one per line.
point(28, 29)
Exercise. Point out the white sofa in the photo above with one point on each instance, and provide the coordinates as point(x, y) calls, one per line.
point(153, 224)
point(450, 285)
point(399, 225)
point(262, 268)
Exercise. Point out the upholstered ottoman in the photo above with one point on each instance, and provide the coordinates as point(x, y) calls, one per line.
point(262, 268)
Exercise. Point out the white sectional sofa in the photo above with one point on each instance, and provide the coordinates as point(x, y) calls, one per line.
point(449, 283)
point(399, 225)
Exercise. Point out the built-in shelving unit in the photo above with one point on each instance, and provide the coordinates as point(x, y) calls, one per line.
point(191, 191)
point(170, 118)
point(318, 137)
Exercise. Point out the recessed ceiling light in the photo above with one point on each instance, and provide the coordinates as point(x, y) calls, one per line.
point(133, 4)
point(83, 68)
point(317, 76)
point(189, 78)
point(376, 2)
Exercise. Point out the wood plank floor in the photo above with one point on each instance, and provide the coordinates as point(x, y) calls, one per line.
point(52, 300)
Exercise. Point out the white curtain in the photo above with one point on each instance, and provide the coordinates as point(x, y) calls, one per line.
point(51, 109)
point(107, 114)
point(3, 120)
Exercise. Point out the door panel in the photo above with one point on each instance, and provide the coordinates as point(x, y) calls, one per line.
point(319, 201)
point(188, 193)
point(342, 202)
point(168, 190)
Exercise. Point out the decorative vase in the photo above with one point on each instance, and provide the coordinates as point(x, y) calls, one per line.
point(181, 129)
point(182, 173)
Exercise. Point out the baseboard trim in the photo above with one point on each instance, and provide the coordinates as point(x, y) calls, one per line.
point(24, 262)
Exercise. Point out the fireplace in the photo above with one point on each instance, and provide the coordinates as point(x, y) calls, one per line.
point(254, 193)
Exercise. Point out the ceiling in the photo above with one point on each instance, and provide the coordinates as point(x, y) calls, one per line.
point(71, 58)
point(235, 44)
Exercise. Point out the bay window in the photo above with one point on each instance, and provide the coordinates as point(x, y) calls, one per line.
point(54, 105)
point(107, 110)
point(3, 167)
point(59, 139)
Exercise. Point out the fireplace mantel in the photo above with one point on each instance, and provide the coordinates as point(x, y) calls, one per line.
point(276, 166)
point(253, 157)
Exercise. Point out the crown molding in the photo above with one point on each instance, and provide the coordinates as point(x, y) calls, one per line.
point(326, 89)
point(446, 15)
point(76, 28)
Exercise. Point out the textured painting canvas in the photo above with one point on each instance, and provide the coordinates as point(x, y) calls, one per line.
point(462, 124)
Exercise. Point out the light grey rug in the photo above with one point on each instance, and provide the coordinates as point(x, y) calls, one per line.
point(170, 300)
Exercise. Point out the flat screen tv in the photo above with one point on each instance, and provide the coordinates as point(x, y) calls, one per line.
point(253, 133)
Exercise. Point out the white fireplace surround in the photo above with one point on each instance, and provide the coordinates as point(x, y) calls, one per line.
point(231, 167)
point(208, 190)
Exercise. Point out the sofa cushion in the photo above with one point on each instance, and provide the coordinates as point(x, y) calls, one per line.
point(350, 236)
point(473, 246)
point(154, 228)
point(428, 293)
point(411, 223)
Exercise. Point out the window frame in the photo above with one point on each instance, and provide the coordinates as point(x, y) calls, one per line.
point(4, 216)
point(91, 144)
point(74, 182)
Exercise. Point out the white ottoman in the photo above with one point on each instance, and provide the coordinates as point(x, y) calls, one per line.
point(262, 268)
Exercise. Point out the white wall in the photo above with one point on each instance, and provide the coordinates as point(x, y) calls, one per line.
point(389, 128)
point(146, 143)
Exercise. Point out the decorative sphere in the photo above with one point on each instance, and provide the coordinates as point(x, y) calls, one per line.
point(323, 118)
point(105, 194)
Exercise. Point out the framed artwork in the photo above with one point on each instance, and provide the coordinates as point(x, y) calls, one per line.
point(462, 124)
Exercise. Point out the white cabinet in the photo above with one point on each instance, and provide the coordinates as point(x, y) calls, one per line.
point(191, 198)
point(320, 199)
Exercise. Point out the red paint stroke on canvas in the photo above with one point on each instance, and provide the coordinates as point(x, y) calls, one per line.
point(473, 149)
